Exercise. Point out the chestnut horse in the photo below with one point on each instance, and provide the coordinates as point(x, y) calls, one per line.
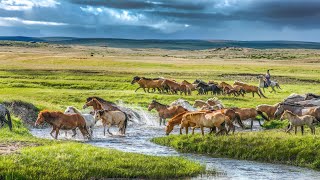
point(224, 85)
point(165, 111)
point(58, 120)
point(250, 88)
point(269, 110)
point(249, 113)
point(148, 83)
point(191, 86)
point(172, 85)
point(174, 121)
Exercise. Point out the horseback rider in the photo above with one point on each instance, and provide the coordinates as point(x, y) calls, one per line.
point(267, 77)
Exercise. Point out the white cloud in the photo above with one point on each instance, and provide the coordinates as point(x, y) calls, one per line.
point(22, 5)
point(14, 21)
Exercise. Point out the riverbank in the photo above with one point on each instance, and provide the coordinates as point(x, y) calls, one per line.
point(272, 146)
point(28, 157)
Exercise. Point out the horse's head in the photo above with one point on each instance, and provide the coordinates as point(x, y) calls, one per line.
point(169, 128)
point(135, 79)
point(152, 105)
point(69, 110)
point(279, 110)
point(41, 117)
point(98, 114)
point(92, 102)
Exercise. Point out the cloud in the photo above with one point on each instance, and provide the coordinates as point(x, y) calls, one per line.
point(13, 21)
point(22, 5)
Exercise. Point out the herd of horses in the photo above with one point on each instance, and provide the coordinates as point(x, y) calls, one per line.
point(163, 85)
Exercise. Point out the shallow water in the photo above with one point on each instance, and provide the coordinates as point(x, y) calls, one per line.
point(138, 138)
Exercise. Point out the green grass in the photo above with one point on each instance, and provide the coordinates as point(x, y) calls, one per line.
point(47, 159)
point(268, 146)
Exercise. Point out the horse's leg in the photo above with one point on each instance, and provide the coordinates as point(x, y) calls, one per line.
point(263, 90)
point(187, 128)
point(160, 120)
point(193, 128)
point(302, 129)
point(202, 130)
point(252, 94)
point(259, 122)
point(251, 123)
point(137, 89)
point(295, 130)
point(144, 90)
point(53, 129)
point(109, 125)
point(181, 127)
point(289, 128)
point(104, 129)
point(57, 132)
point(74, 132)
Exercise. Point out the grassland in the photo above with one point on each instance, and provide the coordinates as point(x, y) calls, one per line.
point(45, 159)
point(54, 76)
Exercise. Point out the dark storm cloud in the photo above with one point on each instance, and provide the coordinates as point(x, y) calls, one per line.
point(190, 19)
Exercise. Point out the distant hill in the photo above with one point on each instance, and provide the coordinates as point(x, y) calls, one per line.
point(167, 44)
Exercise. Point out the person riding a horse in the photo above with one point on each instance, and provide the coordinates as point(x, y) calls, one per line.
point(267, 81)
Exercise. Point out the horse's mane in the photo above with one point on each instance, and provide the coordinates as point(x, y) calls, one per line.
point(159, 103)
point(75, 109)
point(290, 113)
point(50, 114)
point(151, 78)
point(102, 101)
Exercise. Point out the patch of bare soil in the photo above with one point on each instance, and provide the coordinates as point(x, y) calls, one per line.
point(12, 147)
point(27, 112)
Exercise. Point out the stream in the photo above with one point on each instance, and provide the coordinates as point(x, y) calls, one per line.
point(137, 140)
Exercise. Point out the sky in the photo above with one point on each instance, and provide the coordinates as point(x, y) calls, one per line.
point(294, 20)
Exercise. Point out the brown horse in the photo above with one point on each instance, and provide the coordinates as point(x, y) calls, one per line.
point(58, 120)
point(224, 85)
point(165, 111)
point(174, 121)
point(190, 85)
point(269, 110)
point(233, 115)
point(184, 89)
point(95, 104)
point(203, 119)
point(250, 88)
point(148, 83)
point(249, 113)
point(172, 85)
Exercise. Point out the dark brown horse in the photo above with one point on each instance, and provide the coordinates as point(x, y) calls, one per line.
point(249, 113)
point(100, 104)
point(58, 120)
point(165, 111)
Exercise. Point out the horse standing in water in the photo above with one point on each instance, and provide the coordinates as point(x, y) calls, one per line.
point(165, 111)
point(90, 121)
point(3, 113)
point(110, 118)
point(273, 84)
point(59, 120)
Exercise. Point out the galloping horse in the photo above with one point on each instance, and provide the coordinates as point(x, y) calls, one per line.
point(99, 104)
point(165, 111)
point(172, 85)
point(273, 84)
point(249, 88)
point(296, 120)
point(268, 109)
point(109, 118)
point(148, 83)
point(191, 86)
point(59, 120)
point(249, 113)
point(3, 113)
point(90, 121)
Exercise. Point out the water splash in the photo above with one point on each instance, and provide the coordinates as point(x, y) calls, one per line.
point(183, 103)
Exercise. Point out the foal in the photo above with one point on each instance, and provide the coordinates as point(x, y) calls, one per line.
point(296, 121)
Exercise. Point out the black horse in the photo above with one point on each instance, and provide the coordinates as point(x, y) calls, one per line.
point(204, 88)
point(3, 113)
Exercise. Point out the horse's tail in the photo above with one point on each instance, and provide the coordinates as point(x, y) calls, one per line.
point(262, 115)
point(125, 123)
point(239, 120)
point(9, 119)
point(260, 92)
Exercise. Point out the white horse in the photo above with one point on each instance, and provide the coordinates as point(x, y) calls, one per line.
point(90, 121)
point(273, 84)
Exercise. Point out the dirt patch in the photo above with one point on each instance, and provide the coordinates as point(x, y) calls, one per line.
point(253, 77)
point(27, 112)
point(12, 147)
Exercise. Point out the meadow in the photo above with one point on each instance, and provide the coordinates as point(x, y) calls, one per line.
point(56, 76)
